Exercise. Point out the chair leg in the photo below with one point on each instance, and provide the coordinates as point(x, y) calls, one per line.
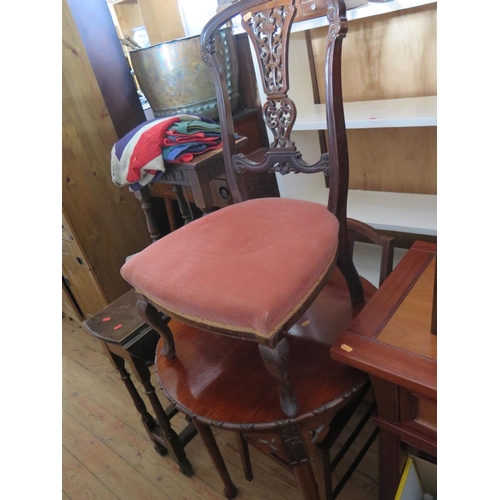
point(277, 361)
point(208, 438)
point(153, 318)
point(245, 456)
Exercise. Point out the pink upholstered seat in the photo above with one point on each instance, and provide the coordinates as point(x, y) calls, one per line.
point(245, 268)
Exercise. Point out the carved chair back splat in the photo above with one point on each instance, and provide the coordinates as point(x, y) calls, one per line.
point(268, 25)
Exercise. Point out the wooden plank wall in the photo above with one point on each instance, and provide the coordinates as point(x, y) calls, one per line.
point(80, 278)
point(162, 20)
point(106, 219)
point(387, 57)
point(129, 16)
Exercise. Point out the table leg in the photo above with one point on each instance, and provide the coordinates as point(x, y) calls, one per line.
point(170, 437)
point(245, 456)
point(297, 457)
point(217, 459)
point(183, 204)
point(387, 398)
point(389, 464)
point(143, 195)
point(119, 363)
point(307, 483)
point(169, 206)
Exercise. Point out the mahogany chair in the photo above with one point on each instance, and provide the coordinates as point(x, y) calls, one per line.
point(275, 273)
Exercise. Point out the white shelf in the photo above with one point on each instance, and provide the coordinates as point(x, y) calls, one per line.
point(372, 9)
point(402, 212)
point(405, 112)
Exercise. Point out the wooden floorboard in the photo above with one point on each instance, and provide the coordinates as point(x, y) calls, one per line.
point(107, 454)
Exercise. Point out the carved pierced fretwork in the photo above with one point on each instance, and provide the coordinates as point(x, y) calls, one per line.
point(269, 31)
point(279, 115)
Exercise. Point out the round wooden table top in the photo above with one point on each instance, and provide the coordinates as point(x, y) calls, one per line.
point(223, 381)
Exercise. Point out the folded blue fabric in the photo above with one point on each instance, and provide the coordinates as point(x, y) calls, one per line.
point(171, 153)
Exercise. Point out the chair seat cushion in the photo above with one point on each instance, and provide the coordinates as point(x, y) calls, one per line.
point(246, 268)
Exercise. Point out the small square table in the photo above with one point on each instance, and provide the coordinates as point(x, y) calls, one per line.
point(392, 340)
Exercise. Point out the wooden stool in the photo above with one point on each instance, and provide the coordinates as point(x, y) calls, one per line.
point(126, 337)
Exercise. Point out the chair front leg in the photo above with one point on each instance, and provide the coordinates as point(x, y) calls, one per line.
point(153, 318)
point(277, 362)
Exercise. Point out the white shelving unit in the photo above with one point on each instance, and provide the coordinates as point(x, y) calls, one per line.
point(402, 212)
point(399, 212)
point(367, 10)
point(407, 112)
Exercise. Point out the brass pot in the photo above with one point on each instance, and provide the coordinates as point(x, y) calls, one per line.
point(175, 80)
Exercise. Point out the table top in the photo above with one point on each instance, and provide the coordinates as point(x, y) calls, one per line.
point(118, 322)
point(391, 338)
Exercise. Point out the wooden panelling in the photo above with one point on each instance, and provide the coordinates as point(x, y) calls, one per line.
point(96, 29)
point(69, 307)
point(79, 277)
point(387, 56)
point(162, 20)
point(401, 160)
point(129, 17)
point(106, 219)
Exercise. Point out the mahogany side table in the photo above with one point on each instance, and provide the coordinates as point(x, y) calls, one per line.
point(392, 340)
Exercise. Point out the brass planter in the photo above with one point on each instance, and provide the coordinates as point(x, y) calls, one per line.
point(175, 80)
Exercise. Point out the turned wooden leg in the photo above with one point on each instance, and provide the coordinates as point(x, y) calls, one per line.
point(245, 456)
point(217, 459)
point(143, 195)
point(277, 361)
point(119, 364)
point(153, 318)
point(170, 437)
point(183, 204)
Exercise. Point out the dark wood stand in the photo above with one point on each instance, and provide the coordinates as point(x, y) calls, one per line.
point(127, 338)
